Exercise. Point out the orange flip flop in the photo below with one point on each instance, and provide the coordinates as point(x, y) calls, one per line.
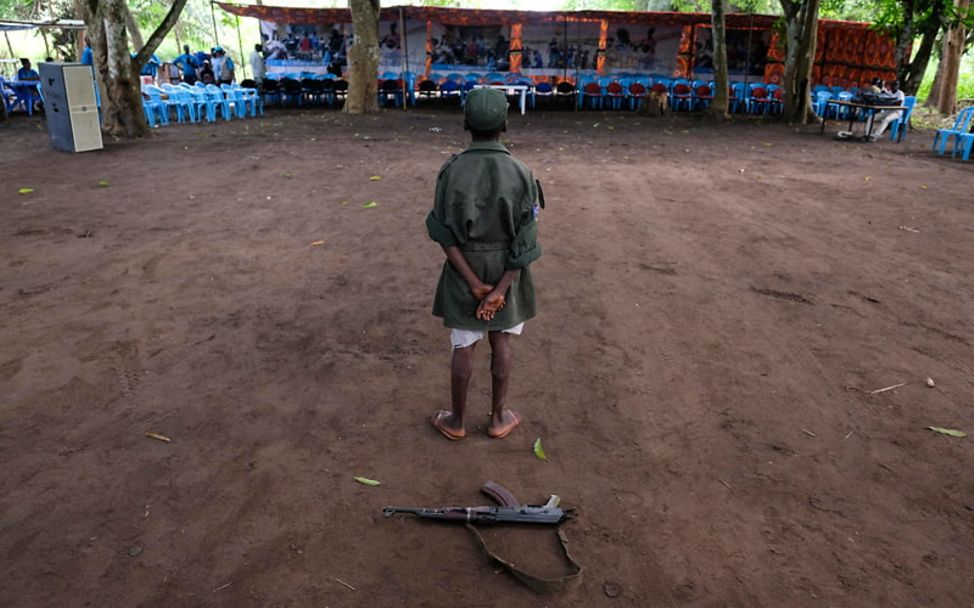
point(505, 431)
point(449, 433)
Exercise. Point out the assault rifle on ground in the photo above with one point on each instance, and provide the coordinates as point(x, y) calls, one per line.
point(509, 511)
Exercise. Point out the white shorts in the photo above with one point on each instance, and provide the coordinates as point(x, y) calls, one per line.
point(462, 338)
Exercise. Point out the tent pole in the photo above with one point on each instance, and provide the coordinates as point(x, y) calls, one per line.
point(564, 39)
point(243, 60)
point(9, 46)
point(404, 54)
point(578, 50)
point(216, 33)
point(747, 55)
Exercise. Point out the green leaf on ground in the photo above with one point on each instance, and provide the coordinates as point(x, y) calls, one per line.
point(370, 205)
point(538, 450)
point(103, 183)
point(367, 482)
point(951, 432)
point(375, 178)
point(25, 191)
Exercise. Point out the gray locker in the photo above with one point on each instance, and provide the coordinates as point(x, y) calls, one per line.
point(70, 106)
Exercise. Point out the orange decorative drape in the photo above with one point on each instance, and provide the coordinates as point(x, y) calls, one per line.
point(429, 47)
point(603, 40)
point(516, 47)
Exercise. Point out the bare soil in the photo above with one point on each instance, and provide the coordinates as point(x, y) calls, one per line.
point(717, 304)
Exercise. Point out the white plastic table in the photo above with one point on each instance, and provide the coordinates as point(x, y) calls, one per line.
point(510, 89)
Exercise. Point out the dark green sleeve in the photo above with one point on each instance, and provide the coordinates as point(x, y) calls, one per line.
point(525, 247)
point(437, 229)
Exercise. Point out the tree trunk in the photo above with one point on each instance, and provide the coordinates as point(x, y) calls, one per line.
point(904, 37)
point(122, 110)
point(911, 72)
point(934, 96)
point(363, 58)
point(801, 34)
point(718, 105)
point(133, 28)
point(950, 61)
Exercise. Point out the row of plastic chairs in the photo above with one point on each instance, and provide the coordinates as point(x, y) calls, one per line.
point(960, 132)
point(194, 103)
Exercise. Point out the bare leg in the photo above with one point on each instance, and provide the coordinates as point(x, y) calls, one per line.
point(460, 370)
point(501, 365)
point(451, 423)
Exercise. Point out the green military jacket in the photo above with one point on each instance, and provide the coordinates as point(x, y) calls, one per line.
point(485, 205)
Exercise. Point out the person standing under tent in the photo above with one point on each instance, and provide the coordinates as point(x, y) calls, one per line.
point(887, 116)
point(87, 56)
point(257, 63)
point(484, 217)
point(188, 64)
point(222, 66)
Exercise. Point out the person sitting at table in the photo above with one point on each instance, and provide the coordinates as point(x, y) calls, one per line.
point(887, 116)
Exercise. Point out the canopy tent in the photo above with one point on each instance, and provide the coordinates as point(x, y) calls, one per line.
point(560, 45)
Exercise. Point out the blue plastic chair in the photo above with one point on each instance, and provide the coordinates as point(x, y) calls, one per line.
point(822, 99)
point(215, 96)
point(450, 88)
point(898, 128)
point(961, 127)
point(681, 94)
point(153, 106)
point(739, 97)
point(964, 144)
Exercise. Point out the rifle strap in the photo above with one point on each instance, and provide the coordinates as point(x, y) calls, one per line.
point(537, 584)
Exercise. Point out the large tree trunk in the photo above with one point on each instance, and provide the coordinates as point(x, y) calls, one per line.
point(133, 27)
point(911, 72)
point(718, 105)
point(801, 35)
point(122, 110)
point(950, 59)
point(117, 70)
point(363, 58)
point(904, 36)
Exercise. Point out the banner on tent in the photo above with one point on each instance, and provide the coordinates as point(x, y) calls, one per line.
point(551, 49)
point(458, 48)
point(634, 47)
point(324, 46)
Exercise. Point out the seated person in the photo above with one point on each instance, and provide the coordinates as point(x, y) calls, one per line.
point(887, 116)
point(27, 92)
point(26, 72)
point(206, 73)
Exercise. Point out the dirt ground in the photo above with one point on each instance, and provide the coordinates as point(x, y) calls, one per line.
point(716, 305)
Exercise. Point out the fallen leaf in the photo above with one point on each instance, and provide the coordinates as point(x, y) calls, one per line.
point(158, 436)
point(865, 178)
point(344, 203)
point(316, 244)
point(367, 482)
point(375, 178)
point(288, 174)
point(923, 186)
point(103, 183)
point(25, 191)
point(370, 205)
point(951, 432)
point(538, 450)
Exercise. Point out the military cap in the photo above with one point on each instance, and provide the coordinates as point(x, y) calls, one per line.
point(485, 109)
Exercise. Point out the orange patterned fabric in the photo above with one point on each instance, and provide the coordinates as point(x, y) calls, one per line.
point(515, 50)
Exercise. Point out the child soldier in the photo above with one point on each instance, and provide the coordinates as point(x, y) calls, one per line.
point(484, 217)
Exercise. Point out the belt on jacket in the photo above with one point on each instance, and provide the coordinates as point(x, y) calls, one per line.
point(482, 246)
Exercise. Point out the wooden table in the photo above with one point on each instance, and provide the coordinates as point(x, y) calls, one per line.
point(856, 109)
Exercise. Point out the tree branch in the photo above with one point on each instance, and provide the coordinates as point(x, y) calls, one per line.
point(160, 34)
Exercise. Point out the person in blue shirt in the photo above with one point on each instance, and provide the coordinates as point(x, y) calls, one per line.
point(29, 92)
point(26, 72)
point(188, 63)
point(151, 66)
point(87, 56)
